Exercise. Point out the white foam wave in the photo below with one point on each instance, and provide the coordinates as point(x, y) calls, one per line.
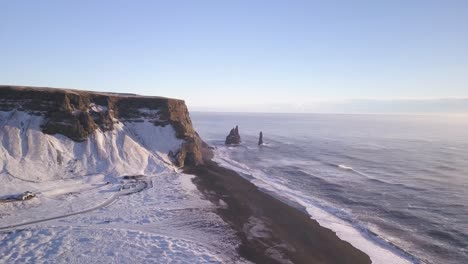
point(369, 177)
point(349, 168)
point(379, 250)
point(345, 167)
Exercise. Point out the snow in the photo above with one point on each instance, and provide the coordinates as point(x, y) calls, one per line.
point(149, 112)
point(97, 108)
point(81, 215)
point(154, 137)
point(131, 148)
point(102, 246)
point(166, 223)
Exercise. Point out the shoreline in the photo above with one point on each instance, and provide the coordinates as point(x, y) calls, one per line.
point(270, 231)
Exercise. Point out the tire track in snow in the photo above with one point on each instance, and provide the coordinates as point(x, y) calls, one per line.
point(141, 186)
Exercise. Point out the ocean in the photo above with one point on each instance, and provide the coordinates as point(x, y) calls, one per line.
point(399, 181)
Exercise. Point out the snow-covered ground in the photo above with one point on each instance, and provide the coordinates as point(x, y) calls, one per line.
point(78, 188)
point(168, 223)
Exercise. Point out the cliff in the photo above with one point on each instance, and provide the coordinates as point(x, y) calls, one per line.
point(79, 114)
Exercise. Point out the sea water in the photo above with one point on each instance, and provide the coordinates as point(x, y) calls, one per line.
point(400, 182)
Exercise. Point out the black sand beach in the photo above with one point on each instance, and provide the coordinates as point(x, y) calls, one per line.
point(270, 230)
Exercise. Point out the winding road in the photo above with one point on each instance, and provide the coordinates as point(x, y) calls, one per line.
point(141, 185)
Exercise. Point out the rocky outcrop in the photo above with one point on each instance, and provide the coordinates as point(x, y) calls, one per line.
point(77, 114)
point(234, 137)
point(260, 139)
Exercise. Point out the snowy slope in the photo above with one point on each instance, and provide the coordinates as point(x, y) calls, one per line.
point(130, 148)
point(81, 213)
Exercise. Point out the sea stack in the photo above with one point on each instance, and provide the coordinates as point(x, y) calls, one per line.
point(233, 138)
point(260, 139)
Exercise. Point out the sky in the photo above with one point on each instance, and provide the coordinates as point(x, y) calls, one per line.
point(277, 56)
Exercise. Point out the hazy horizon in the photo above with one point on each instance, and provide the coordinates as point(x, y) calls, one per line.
point(442, 106)
point(403, 106)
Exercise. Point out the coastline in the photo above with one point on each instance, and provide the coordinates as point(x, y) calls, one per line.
point(270, 230)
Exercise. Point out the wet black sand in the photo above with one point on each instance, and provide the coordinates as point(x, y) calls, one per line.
point(270, 230)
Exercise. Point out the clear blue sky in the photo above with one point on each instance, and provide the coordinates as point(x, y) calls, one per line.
point(232, 54)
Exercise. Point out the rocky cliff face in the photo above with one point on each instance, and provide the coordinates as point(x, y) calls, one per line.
point(78, 114)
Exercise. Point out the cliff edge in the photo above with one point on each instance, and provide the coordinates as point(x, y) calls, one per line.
point(79, 114)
